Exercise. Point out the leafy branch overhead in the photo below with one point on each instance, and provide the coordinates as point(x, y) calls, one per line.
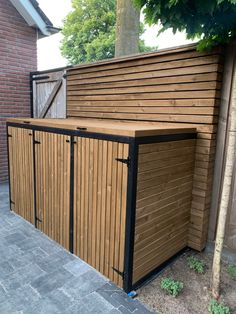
point(89, 31)
point(212, 21)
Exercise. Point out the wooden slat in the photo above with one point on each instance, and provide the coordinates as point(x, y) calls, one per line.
point(21, 172)
point(53, 177)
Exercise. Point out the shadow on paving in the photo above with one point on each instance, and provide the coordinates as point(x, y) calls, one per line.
point(39, 276)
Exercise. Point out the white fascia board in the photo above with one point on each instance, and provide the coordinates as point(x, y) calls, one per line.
point(31, 16)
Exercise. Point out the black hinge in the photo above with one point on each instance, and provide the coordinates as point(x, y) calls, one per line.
point(12, 202)
point(38, 219)
point(122, 274)
point(37, 142)
point(124, 160)
point(9, 135)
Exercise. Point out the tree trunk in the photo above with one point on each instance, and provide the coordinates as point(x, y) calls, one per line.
point(127, 28)
point(226, 188)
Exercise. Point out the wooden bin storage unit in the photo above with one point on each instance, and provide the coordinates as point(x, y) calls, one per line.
point(118, 195)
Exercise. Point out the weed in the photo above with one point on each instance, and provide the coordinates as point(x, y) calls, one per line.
point(218, 308)
point(196, 264)
point(231, 269)
point(171, 286)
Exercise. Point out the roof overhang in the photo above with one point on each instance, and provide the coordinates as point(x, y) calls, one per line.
point(35, 17)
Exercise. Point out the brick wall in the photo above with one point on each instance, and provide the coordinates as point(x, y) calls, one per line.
point(18, 57)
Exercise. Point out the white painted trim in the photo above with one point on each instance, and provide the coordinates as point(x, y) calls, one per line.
point(31, 16)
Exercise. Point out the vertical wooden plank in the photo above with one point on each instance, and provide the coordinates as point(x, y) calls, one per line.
point(108, 208)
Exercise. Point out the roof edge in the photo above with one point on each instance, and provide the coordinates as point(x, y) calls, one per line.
point(35, 17)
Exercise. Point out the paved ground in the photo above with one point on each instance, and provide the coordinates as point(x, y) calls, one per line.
point(39, 276)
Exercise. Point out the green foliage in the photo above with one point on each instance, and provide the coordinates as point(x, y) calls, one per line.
point(171, 286)
point(231, 269)
point(196, 264)
point(212, 21)
point(89, 31)
point(218, 308)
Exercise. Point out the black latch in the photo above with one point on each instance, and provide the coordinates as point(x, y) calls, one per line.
point(9, 135)
point(38, 219)
point(37, 142)
point(122, 274)
point(12, 202)
point(124, 160)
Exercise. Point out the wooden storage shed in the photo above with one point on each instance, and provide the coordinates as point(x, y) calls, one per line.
point(116, 194)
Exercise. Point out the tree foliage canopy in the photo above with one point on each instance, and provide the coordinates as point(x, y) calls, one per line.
point(212, 21)
point(89, 31)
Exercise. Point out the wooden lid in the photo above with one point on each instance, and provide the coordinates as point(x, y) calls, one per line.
point(106, 127)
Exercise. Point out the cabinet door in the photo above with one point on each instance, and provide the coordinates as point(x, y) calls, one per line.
point(52, 169)
point(20, 145)
point(100, 191)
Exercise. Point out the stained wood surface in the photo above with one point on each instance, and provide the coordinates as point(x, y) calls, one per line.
point(178, 87)
point(106, 127)
point(100, 191)
point(21, 172)
point(164, 194)
point(52, 166)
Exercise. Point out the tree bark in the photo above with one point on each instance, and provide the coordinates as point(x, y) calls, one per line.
point(127, 28)
point(226, 188)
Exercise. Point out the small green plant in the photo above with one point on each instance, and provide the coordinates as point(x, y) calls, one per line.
point(218, 308)
point(196, 264)
point(231, 269)
point(171, 286)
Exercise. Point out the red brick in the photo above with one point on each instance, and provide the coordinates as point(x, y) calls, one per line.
point(18, 57)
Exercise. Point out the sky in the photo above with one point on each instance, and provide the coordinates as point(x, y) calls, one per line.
point(49, 55)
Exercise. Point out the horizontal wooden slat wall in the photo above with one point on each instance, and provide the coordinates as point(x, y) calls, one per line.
point(21, 172)
point(52, 168)
point(177, 86)
point(164, 185)
point(100, 189)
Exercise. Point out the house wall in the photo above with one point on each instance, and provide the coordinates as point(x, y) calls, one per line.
point(18, 57)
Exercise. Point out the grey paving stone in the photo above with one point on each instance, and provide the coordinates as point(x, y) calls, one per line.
point(45, 284)
point(124, 310)
point(3, 294)
point(77, 267)
point(22, 277)
point(127, 302)
point(6, 269)
point(97, 304)
point(14, 238)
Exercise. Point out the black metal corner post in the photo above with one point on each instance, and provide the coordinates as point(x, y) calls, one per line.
point(31, 96)
point(34, 175)
point(8, 165)
point(71, 236)
point(130, 216)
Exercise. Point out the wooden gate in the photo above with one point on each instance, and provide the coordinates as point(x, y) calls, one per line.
point(100, 189)
point(21, 166)
point(52, 171)
point(49, 94)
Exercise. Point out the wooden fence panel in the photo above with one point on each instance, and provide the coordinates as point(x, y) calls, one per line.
point(164, 184)
point(49, 94)
point(100, 191)
point(21, 172)
point(177, 86)
point(52, 167)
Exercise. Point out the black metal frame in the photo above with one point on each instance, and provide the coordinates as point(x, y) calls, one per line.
point(71, 238)
point(34, 173)
point(134, 143)
point(130, 216)
point(8, 163)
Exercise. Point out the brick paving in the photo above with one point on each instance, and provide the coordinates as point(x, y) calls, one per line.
point(38, 276)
